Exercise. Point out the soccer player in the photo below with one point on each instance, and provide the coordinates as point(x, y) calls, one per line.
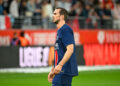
point(65, 65)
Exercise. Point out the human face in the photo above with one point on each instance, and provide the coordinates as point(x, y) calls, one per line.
point(56, 16)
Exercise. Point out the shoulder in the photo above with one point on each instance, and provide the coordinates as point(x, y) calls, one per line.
point(67, 28)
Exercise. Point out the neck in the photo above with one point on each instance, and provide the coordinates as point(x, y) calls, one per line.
point(60, 24)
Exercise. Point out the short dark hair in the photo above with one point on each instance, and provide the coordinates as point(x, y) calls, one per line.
point(63, 12)
point(15, 33)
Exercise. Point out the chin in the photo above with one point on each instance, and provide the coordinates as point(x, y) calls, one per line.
point(56, 22)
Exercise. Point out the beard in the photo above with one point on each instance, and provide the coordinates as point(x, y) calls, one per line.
point(57, 21)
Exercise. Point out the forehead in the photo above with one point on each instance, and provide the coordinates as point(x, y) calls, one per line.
point(57, 11)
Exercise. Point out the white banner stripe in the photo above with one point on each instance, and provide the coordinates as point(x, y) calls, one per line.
point(47, 69)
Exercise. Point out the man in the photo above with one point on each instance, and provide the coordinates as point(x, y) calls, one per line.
point(65, 66)
point(15, 40)
point(14, 8)
point(23, 41)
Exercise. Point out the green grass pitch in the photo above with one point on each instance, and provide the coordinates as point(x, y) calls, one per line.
point(88, 78)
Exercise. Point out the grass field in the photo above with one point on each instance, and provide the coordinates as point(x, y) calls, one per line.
point(88, 78)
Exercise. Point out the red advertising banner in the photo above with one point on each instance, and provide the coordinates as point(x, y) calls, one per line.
point(35, 37)
point(106, 54)
point(47, 37)
point(99, 36)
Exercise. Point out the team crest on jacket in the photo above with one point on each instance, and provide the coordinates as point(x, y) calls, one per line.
point(56, 46)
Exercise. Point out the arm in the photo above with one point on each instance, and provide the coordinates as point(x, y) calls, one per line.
point(51, 75)
point(68, 53)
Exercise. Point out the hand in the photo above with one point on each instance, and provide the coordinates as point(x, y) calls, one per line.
point(57, 69)
point(51, 76)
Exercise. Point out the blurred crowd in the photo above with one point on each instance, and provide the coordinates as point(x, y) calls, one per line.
point(89, 13)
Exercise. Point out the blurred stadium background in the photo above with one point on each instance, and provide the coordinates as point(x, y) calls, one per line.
point(27, 37)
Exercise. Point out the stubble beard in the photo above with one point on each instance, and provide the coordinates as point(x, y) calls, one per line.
point(57, 21)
